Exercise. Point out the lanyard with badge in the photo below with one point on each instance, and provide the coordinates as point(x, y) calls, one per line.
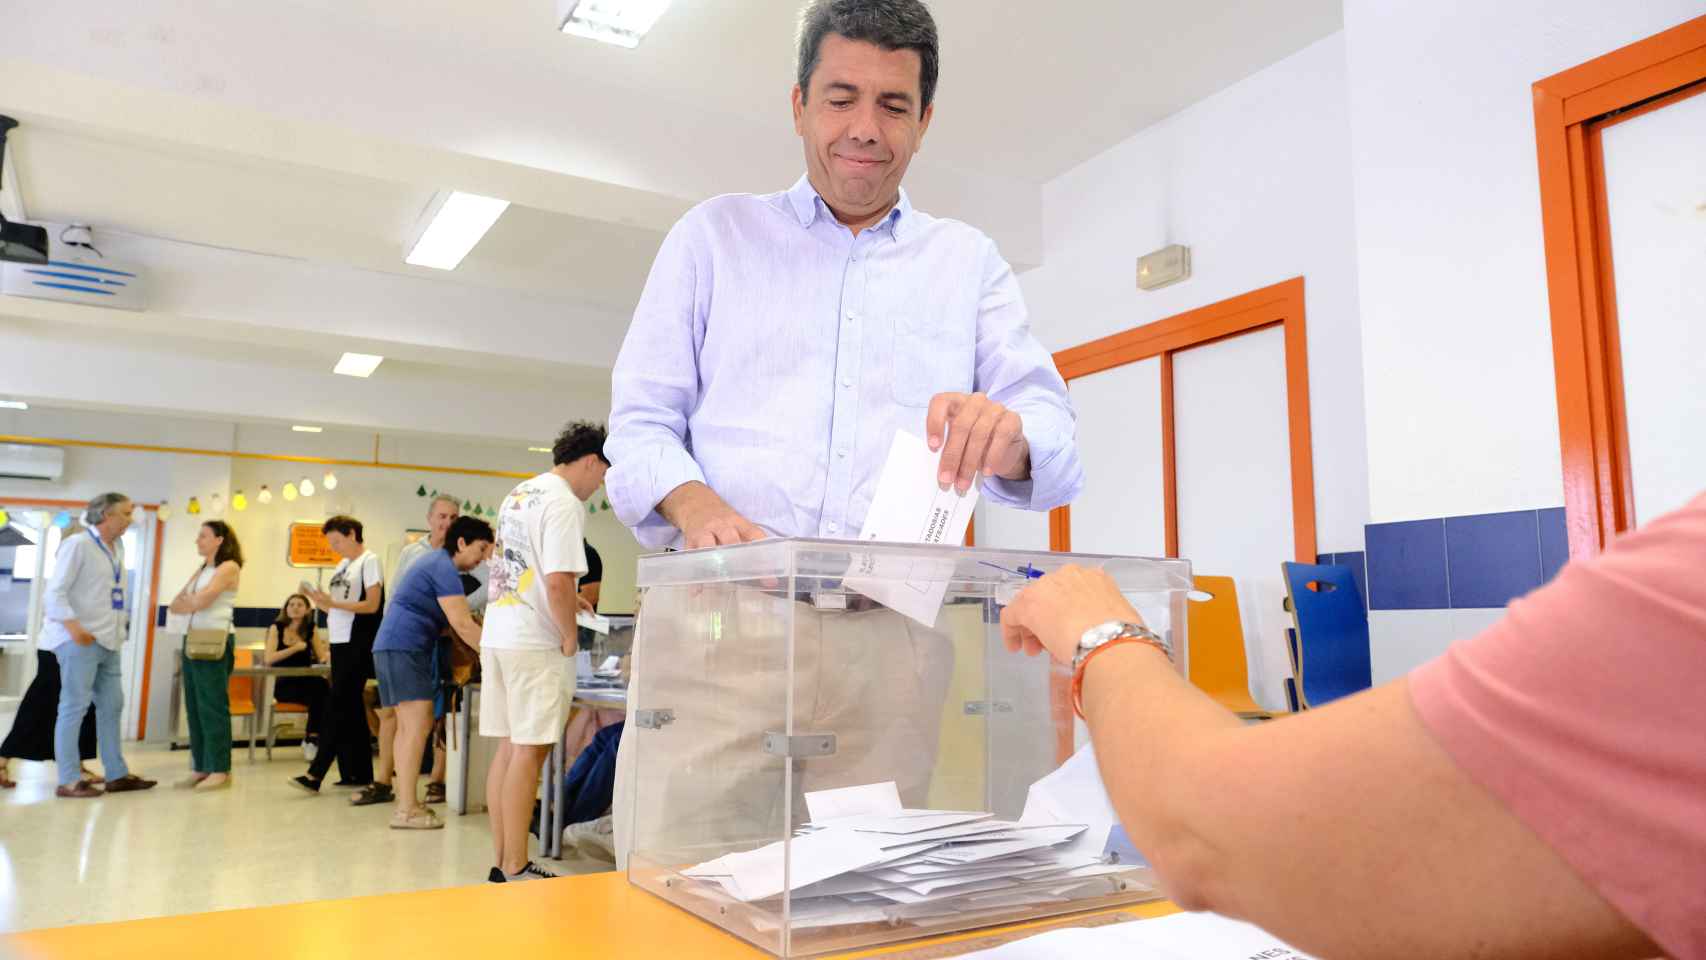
point(118, 571)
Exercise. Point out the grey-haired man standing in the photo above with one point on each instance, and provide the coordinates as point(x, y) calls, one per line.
point(85, 624)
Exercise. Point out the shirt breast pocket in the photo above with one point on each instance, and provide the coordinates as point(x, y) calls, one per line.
point(930, 356)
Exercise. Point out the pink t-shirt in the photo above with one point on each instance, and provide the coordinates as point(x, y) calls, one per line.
point(1584, 712)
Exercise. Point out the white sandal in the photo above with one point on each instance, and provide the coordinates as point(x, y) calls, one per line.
point(419, 818)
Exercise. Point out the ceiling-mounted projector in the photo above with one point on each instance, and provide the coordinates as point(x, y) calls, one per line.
point(19, 242)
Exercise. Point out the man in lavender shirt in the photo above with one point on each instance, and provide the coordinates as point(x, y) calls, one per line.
point(780, 343)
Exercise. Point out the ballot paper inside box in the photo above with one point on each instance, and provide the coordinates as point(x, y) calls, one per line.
point(832, 747)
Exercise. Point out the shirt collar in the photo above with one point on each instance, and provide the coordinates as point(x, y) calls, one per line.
point(807, 204)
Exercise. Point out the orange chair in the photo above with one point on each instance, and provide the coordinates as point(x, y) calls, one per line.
point(278, 707)
point(242, 694)
point(1215, 634)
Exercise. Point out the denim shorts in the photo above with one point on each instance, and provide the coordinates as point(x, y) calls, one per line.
point(403, 675)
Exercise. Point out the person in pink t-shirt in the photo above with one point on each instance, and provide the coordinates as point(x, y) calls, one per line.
point(1538, 791)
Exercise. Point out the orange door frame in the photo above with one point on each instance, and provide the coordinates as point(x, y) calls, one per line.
point(1570, 110)
point(1280, 304)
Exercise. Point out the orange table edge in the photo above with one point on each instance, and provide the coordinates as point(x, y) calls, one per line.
point(594, 915)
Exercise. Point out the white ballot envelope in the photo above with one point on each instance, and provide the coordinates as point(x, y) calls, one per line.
point(910, 507)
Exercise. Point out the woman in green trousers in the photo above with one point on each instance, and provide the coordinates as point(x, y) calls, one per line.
point(206, 604)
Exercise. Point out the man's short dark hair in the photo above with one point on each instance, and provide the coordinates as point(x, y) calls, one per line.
point(577, 440)
point(890, 24)
point(348, 526)
point(468, 530)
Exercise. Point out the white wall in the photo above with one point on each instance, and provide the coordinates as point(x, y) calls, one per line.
point(1462, 409)
point(1256, 180)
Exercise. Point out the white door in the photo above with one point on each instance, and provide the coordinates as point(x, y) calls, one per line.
point(1655, 188)
point(1232, 455)
point(1122, 509)
point(139, 547)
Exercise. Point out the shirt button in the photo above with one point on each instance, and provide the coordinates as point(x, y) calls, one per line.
point(852, 318)
point(847, 382)
point(831, 526)
point(841, 453)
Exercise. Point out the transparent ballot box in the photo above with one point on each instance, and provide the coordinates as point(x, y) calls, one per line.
point(833, 747)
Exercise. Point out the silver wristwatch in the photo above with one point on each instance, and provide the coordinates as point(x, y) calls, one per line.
point(1106, 633)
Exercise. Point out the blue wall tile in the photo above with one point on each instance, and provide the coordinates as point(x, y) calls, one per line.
point(1554, 543)
point(1492, 558)
point(1406, 565)
point(1357, 561)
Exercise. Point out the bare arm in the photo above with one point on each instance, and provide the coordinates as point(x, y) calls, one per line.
point(589, 593)
point(367, 604)
point(1346, 830)
point(565, 601)
point(461, 618)
point(225, 577)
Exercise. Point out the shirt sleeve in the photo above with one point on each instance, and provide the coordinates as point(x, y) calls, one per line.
point(1015, 371)
point(446, 581)
point(371, 572)
point(654, 385)
point(56, 603)
point(1581, 710)
point(561, 548)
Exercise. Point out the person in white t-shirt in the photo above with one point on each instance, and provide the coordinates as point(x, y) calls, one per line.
point(529, 642)
point(352, 602)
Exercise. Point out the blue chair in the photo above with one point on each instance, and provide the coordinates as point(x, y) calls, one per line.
point(1330, 649)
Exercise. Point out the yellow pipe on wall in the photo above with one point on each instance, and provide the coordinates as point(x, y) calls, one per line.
point(280, 457)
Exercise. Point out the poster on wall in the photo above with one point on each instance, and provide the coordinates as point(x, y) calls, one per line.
point(308, 547)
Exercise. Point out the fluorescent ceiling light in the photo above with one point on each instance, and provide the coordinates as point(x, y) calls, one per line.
point(620, 22)
point(358, 364)
point(538, 449)
point(455, 222)
point(13, 405)
point(299, 428)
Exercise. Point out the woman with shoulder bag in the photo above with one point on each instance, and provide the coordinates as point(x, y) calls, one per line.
point(201, 615)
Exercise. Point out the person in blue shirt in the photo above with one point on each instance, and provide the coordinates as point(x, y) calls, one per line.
point(427, 601)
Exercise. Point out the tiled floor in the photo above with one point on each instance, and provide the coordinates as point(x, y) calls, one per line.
point(262, 842)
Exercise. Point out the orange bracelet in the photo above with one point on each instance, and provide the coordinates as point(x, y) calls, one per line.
point(1078, 675)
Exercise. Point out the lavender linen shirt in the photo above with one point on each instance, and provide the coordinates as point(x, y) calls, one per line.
point(773, 355)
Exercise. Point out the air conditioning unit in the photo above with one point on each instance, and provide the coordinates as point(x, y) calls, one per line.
point(23, 461)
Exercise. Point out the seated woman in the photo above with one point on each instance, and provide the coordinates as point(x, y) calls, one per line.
point(293, 642)
point(1537, 791)
point(428, 599)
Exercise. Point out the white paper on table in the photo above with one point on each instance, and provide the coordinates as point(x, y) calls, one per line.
point(882, 799)
point(1182, 936)
point(610, 664)
point(757, 874)
point(910, 507)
